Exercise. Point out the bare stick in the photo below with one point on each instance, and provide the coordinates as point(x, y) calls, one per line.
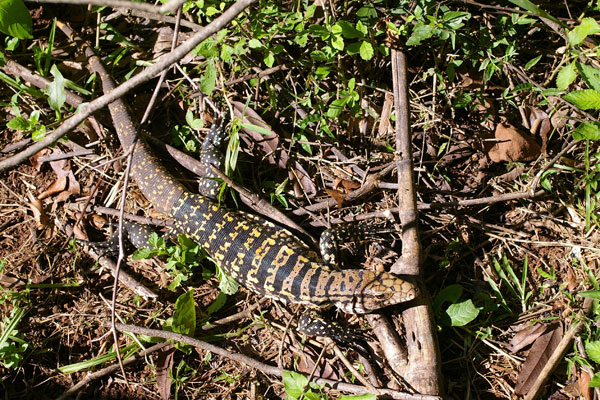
point(264, 368)
point(161, 64)
point(423, 371)
point(559, 352)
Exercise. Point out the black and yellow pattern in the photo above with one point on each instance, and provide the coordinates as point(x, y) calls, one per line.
point(261, 256)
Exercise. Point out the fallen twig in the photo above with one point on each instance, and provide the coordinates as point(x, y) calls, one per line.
point(264, 368)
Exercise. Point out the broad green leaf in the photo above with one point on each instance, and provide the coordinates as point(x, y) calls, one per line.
point(353, 48)
point(593, 294)
point(366, 51)
point(269, 59)
point(449, 294)
point(38, 133)
point(255, 44)
point(336, 107)
point(593, 350)
point(227, 284)
point(588, 26)
point(184, 316)
point(294, 383)
point(584, 99)
point(15, 20)
point(590, 75)
point(587, 130)
point(209, 79)
point(420, 33)
point(18, 124)
point(217, 304)
point(595, 381)
point(56, 90)
point(337, 42)
point(462, 313)
point(348, 31)
point(566, 76)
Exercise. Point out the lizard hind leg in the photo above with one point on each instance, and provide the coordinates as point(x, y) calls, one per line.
point(211, 154)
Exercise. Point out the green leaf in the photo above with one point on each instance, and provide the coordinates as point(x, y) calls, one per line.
point(184, 316)
point(532, 62)
point(56, 90)
point(366, 51)
point(336, 107)
point(18, 124)
point(593, 294)
point(462, 313)
point(15, 20)
point(450, 294)
point(294, 383)
point(209, 79)
point(590, 75)
point(587, 130)
point(348, 31)
point(566, 76)
point(593, 350)
point(269, 60)
point(595, 381)
point(584, 99)
point(227, 284)
point(255, 44)
point(38, 133)
point(588, 26)
point(532, 8)
point(257, 128)
point(420, 33)
point(337, 42)
point(217, 304)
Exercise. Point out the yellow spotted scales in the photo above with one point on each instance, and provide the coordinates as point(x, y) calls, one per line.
point(260, 255)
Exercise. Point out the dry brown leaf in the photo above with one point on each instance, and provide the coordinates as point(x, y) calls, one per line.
point(513, 145)
point(99, 221)
point(39, 215)
point(56, 187)
point(559, 118)
point(526, 336)
point(386, 111)
point(338, 196)
point(583, 380)
point(306, 364)
point(571, 279)
point(34, 159)
point(538, 356)
point(269, 146)
point(540, 123)
point(164, 364)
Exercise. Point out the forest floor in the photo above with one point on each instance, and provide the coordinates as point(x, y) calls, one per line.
point(504, 124)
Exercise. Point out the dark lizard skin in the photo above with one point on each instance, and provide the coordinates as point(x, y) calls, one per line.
point(263, 257)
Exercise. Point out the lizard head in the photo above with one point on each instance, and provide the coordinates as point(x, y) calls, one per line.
point(361, 291)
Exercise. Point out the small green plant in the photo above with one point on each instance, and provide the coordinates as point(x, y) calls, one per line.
point(297, 386)
point(12, 346)
point(459, 312)
point(182, 258)
point(517, 287)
